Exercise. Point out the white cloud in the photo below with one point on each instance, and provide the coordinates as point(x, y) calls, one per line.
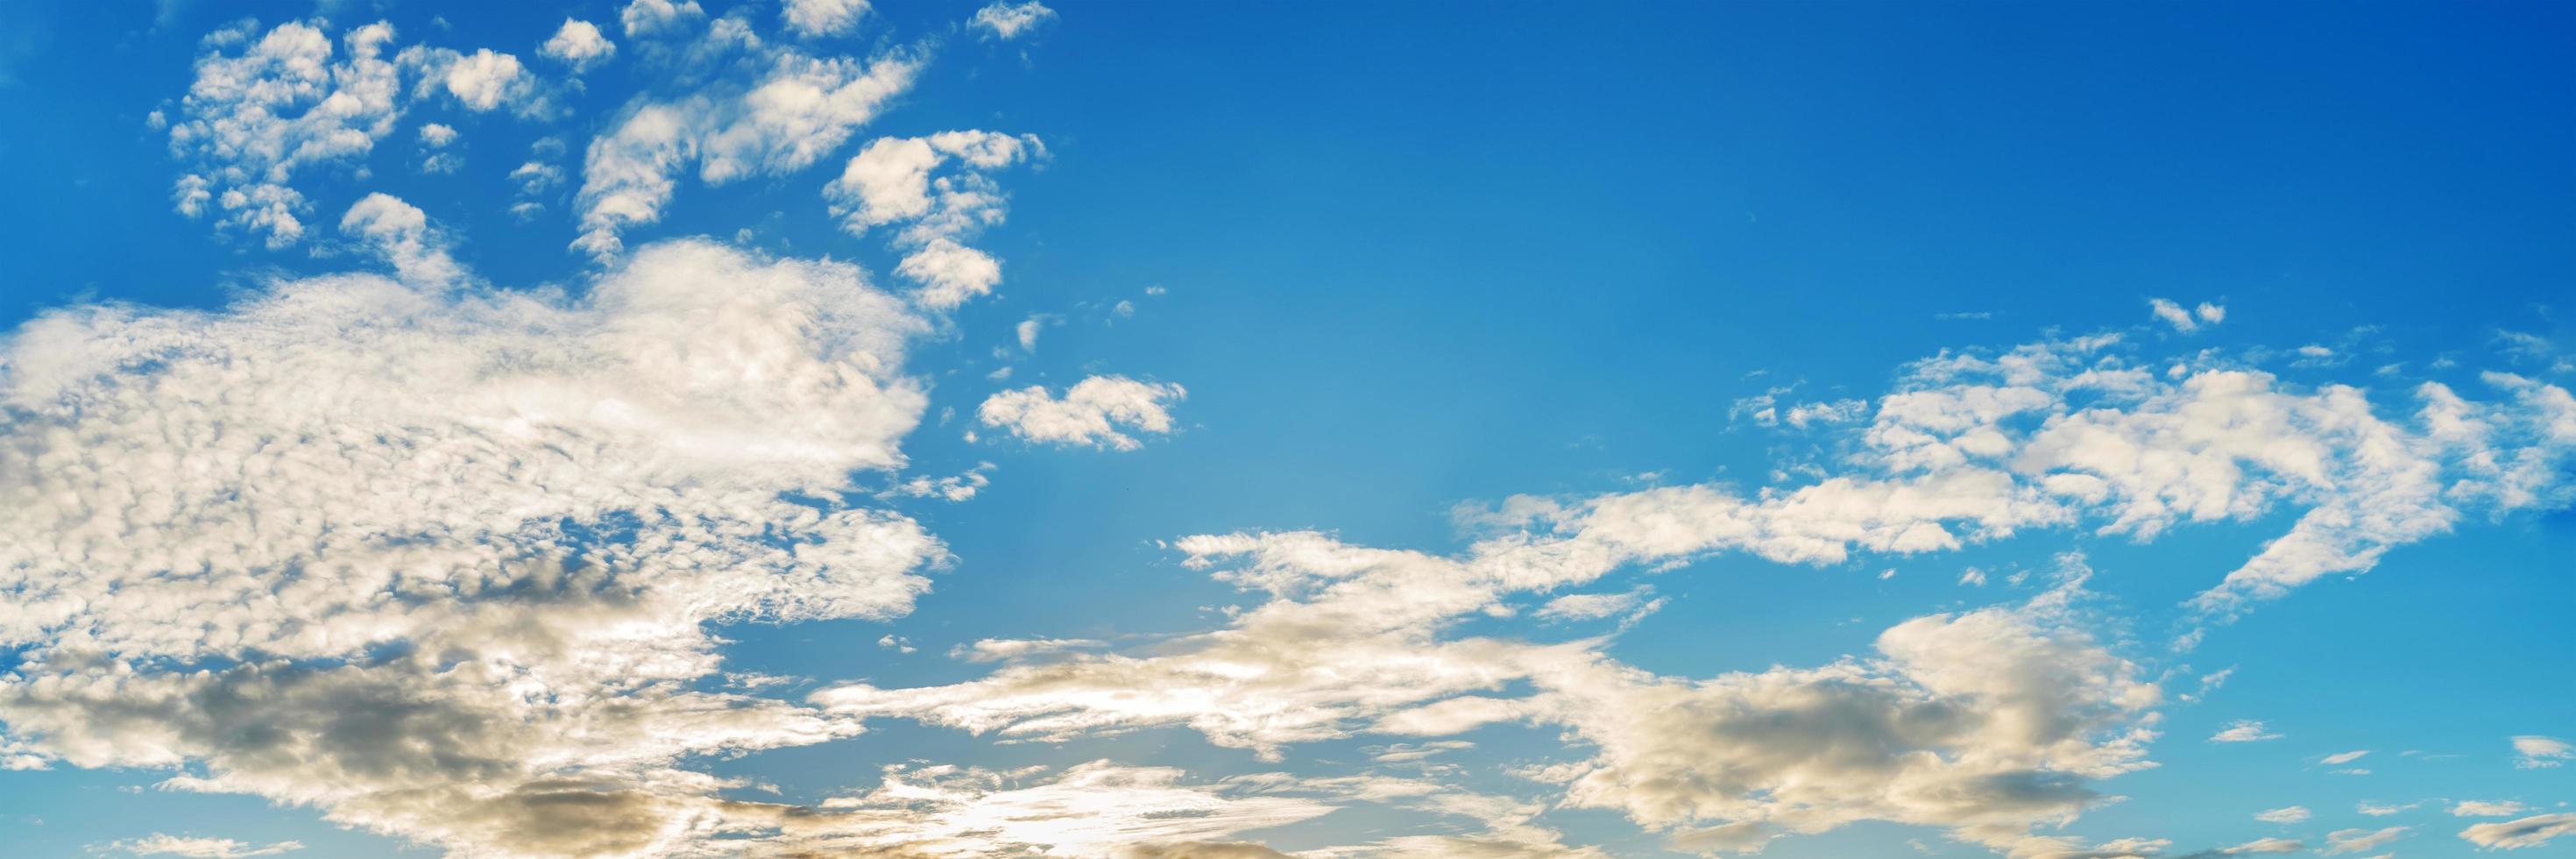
point(480, 81)
point(1091, 412)
point(658, 17)
point(252, 121)
point(435, 135)
point(1005, 20)
point(2173, 314)
point(2538, 752)
point(1596, 606)
point(2030, 707)
point(2292, 814)
point(2243, 731)
point(891, 183)
point(579, 44)
point(158, 844)
point(2261, 846)
point(822, 17)
point(1028, 332)
point(2477, 808)
point(799, 110)
point(2517, 834)
point(401, 234)
point(2378, 810)
point(2340, 758)
point(442, 563)
point(2356, 840)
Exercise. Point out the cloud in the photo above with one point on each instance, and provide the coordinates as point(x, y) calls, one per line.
point(658, 17)
point(2356, 840)
point(2477, 808)
point(1088, 810)
point(2527, 832)
point(265, 107)
point(2186, 321)
point(1090, 414)
point(2243, 731)
point(578, 44)
point(481, 81)
point(2538, 752)
point(443, 563)
point(890, 184)
point(158, 844)
point(2379, 810)
point(1028, 333)
point(812, 18)
point(435, 135)
point(2340, 758)
point(1006, 21)
point(798, 110)
point(401, 234)
point(1985, 722)
point(2292, 814)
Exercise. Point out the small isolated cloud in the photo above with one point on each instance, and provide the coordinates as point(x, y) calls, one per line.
point(812, 18)
point(1089, 414)
point(2343, 841)
point(578, 43)
point(656, 17)
point(1634, 603)
point(2285, 816)
point(436, 135)
point(2536, 752)
point(158, 844)
point(1028, 331)
point(2374, 809)
point(2243, 731)
point(2518, 834)
point(1008, 20)
point(2186, 320)
point(2341, 758)
point(2476, 808)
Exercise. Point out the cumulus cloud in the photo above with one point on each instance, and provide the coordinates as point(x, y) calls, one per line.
point(798, 110)
point(2517, 834)
point(265, 107)
point(578, 44)
point(2538, 752)
point(1984, 722)
point(1092, 413)
point(822, 17)
point(2183, 320)
point(658, 17)
point(442, 562)
point(891, 183)
point(1006, 21)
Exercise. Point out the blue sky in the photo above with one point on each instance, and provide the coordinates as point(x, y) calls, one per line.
point(1159, 429)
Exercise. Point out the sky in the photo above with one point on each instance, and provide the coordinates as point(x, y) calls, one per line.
point(1152, 429)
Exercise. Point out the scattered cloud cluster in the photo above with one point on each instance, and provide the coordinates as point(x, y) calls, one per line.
point(1006, 20)
point(891, 184)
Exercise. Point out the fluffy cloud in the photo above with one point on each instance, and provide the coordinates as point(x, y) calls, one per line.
point(891, 183)
point(822, 17)
point(1005, 20)
point(1091, 413)
point(442, 563)
point(658, 17)
point(800, 109)
point(2186, 320)
point(265, 107)
point(579, 44)
point(2517, 834)
point(1985, 722)
point(2538, 752)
